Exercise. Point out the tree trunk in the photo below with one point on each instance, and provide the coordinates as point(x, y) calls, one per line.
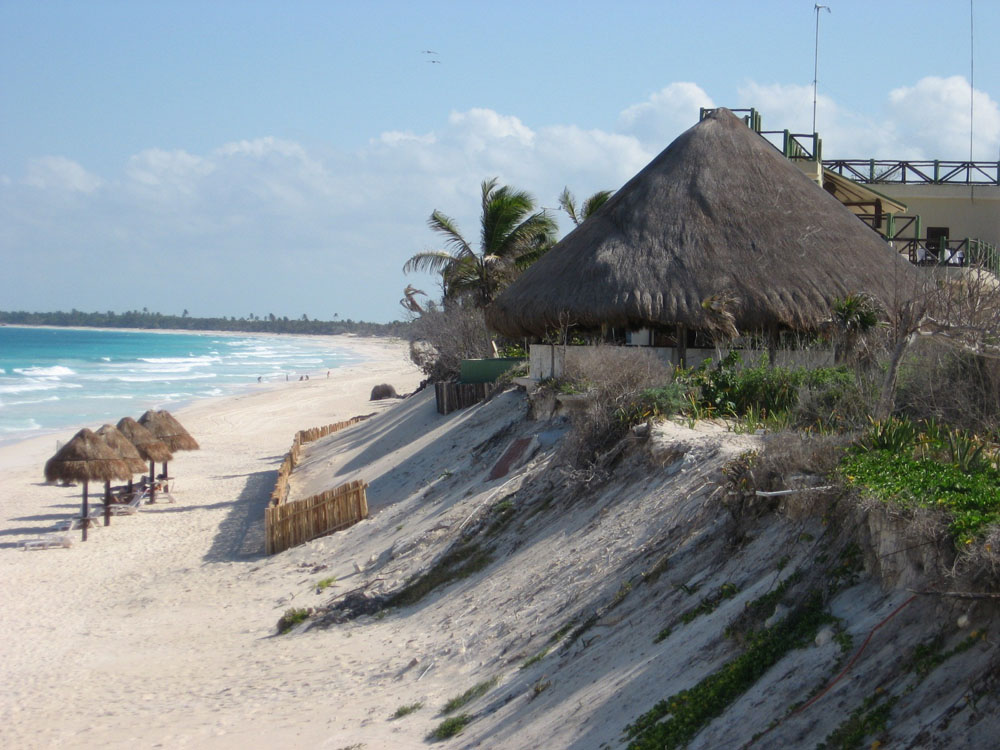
point(887, 395)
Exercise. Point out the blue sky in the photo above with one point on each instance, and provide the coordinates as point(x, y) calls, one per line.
point(236, 157)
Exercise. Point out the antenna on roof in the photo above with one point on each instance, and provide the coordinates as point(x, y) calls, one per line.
point(818, 8)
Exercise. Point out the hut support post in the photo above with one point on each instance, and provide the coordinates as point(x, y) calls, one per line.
point(85, 512)
point(772, 345)
point(107, 503)
point(164, 470)
point(681, 349)
point(152, 481)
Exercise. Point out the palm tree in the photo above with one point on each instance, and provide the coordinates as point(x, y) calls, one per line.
point(853, 317)
point(567, 202)
point(511, 229)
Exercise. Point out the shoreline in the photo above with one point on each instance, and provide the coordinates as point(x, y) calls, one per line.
point(362, 347)
point(139, 635)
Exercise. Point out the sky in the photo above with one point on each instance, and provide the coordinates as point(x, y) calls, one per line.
point(241, 157)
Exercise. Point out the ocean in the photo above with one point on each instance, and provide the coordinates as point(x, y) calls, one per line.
point(57, 378)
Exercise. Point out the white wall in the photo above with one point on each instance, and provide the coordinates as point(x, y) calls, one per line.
point(549, 361)
point(968, 211)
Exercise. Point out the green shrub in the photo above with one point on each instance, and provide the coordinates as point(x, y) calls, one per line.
point(729, 388)
point(407, 709)
point(450, 727)
point(291, 618)
point(476, 691)
point(969, 496)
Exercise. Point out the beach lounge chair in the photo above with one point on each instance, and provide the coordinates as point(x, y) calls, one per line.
point(129, 508)
point(49, 541)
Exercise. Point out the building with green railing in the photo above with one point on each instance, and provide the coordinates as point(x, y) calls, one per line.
point(932, 211)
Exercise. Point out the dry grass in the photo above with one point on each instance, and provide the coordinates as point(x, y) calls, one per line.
point(612, 377)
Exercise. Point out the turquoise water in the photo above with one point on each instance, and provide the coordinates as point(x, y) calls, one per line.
point(54, 378)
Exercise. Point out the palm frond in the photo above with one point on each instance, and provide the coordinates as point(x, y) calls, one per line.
point(568, 204)
point(445, 225)
point(595, 201)
point(430, 261)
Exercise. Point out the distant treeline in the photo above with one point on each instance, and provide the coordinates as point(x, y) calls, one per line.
point(252, 324)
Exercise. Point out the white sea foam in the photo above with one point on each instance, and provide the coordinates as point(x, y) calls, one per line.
point(21, 425)
point(33, 401)
point(44, 372)
point(33, 386)
point(180, 360)
point(157, 378)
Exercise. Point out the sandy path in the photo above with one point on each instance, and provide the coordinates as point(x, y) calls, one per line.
point(157, 631)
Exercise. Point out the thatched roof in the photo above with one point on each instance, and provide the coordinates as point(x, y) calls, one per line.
point(718, 230)
point(86, 458)
point(162, 424)
point(150, 447)
point(123, 447)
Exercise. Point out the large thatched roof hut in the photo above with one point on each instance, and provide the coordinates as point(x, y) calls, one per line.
point(720, 232)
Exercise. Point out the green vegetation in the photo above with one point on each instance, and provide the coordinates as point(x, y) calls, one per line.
point(325, 583)
point(476, 691)
point(291, 618)
point(868, 719)
point(674, 722)
point(728, 388)
point(513, 234)
point(460, 562)
point(705, 606)
point(450, 727)
point(251, 324)
point(928, 466)
point(407, 709)
point(536, 658)
point(929, 655)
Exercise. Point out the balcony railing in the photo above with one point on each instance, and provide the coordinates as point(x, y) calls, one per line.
point(936, 172)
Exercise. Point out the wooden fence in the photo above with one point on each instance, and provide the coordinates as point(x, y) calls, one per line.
point(291, 460)
point(452, 396)
point(297, 522)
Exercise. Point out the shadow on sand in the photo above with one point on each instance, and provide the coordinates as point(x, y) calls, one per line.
point(241, 533)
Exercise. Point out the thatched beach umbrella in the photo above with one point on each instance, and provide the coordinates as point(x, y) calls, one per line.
point(150, 447)
point(123, 447)
point(719, 233)
point(163, 424)
point(86, 458)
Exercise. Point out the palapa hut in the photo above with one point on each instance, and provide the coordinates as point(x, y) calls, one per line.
point(86, 458)
point(150, 447)
point(163, 425)
point(721, 234)
point(123, 447)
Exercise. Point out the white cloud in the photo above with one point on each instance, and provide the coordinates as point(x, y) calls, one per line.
point(665, 114)
point(934, 115)
point(845, 134)
point(271, 223)
point(157, 167)
point(60, 173)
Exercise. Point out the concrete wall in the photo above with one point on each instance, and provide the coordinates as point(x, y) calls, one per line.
point(967, 211)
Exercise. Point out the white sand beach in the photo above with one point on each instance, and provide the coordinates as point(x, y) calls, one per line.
point(572, 617)
point(156, 631)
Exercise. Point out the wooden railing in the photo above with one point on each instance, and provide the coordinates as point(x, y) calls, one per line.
point(907, 172)
point(300, 521)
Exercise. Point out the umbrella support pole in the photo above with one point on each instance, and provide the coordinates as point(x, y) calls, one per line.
point(85, 513)
point(107, 503)
point(152, 481)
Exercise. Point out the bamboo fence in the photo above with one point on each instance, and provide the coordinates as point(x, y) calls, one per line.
point(291, 460)
point(297, 522)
